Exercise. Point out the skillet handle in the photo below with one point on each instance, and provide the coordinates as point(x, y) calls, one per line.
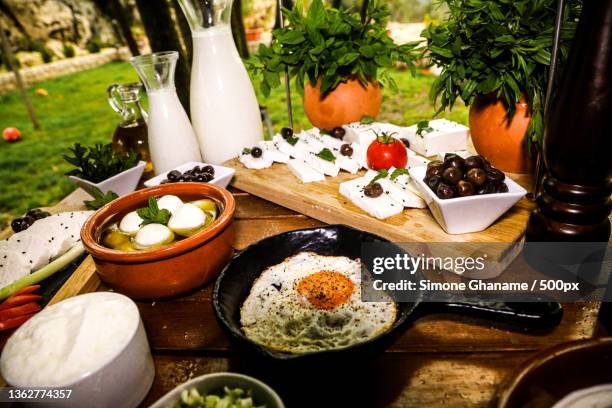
point(542, 315)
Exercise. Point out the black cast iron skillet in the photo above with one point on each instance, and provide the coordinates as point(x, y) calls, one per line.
point(234, 284)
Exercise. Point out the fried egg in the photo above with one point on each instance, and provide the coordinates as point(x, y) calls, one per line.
point(311, 302)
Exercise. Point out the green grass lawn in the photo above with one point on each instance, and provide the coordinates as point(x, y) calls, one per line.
point(32, 170)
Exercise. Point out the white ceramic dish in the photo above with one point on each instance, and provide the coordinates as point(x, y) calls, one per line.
point(121, 382)
point(262, 393)
point(467, 214)
point(122, 183)
point(223, 175)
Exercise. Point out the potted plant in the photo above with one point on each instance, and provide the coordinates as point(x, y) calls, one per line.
point(99, 169)
point(339, 61)
point(495, 57)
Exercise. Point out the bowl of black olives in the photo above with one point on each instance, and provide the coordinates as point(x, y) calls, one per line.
point(466, 195)
point(194, 172)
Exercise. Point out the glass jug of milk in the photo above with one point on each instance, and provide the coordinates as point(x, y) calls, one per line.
point(172, 140)
point(224, 108)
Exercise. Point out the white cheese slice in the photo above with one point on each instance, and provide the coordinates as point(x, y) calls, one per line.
point(379, 207)
point(272, 152)
point(297, 151)
point(304, 172)
point(399, 189)
point(461, 153)
point(12, 267)
point(417, 161)
point(446, 136)
point(331, 142)
point(364, 134)
point(322, 166)
point(346, 163)
point(32, 247)
point(311, 142)
point(255, 163)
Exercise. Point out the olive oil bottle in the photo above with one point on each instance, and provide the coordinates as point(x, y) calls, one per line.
point(131, 134)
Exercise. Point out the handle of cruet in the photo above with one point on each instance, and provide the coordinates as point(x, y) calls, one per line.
point(113, 98)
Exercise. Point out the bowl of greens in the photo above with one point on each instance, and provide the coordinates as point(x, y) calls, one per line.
point(99, 167)
point(221, 390)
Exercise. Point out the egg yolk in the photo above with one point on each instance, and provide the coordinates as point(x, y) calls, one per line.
point(326, 290)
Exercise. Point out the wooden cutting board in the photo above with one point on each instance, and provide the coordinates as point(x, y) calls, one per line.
point(321, 200)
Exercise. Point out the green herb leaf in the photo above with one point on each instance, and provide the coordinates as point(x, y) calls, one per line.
point(292, 140)
point(398, 172)
point(152, 214)
point(100, 199)
point(98, 163)
point(246, 150)
point(423, 127)
point(367, 120)
point(383, 173)
point(327, 154)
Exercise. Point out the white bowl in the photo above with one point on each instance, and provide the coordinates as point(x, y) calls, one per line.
point(462, 215)
point(122, 183)
point(223, 175)
point(262, 393)
point(121, 382)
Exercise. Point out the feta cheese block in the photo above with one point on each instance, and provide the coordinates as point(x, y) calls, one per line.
point(32, 247)
point(360, 154)
point(446, 136)
point(311, 142)
point(461, 153)
point(331, 142)
point(326, 167)
point(304, 172)
point(297, 151)
point(346, 163)
point(408, 182)
point(12, 267)
point(399, 188)
point(417, 161)
point(379, 207)
point(365, 134)
point(256, 163)
point(272, 152)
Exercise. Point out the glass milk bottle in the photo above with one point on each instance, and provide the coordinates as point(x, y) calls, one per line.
point(172, 140)
point(224, 108)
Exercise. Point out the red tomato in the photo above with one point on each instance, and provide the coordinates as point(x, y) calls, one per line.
point(385, 152)
point(11, 134)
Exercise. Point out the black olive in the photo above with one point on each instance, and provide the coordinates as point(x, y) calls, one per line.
point(502, 188)
point(42, 214)
point(196, 169)
point(181, 179)
point(256, 152)
point(174, 175)
point(346, 150)
point(286, 132)
point(406, 142)
point(444, 191)
point(29, 220)
point(474, 162)
point(465, 188)
point(433, 181)
point(453, 160)
point(434, 171)
point(486, 188)
point(208, 169)
point(200, 179)
point(476, 176)
point(34, 211)
point(495, 176)
point(338, 132)
point(208, 176)
point(373, 190)
point(485, 163)
point(19, 224)
point(435, 163)
point(452, 175)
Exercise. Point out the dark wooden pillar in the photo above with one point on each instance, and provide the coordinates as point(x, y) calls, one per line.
point(577, 149)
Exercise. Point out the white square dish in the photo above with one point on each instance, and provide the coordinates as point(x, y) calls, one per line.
point(462, 215)
point(223, 175)
point(122, 183)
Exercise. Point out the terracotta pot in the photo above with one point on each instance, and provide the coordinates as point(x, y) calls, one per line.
point(170, 270)
point(502, 143)
point(348, 103)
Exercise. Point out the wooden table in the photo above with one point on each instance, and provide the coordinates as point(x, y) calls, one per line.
point(441, 361)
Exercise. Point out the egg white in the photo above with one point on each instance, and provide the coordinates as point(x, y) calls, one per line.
point(277, 316)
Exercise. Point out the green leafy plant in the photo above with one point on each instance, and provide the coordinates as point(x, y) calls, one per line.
point(95, 44)
point(68, 50)
point(100, 199)
point(152, 214)
point(500, 48)
point(98, 162)
point(332, 46)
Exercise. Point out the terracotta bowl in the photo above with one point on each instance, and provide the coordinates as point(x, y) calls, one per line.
point(170, 270)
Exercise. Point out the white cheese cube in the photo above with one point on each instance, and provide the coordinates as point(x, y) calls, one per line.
point(445, 136)
point(256, 163)
point(461, 153)
point(328, 168)
point(311, 142)
point(346, 163)
point(298, 150)
point(364, 134)
point(417, 161)
point(271, 151)
point(304, 172)
point(379, 207)
point(331, 142)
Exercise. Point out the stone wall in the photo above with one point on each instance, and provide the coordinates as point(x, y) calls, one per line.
point(55, 69)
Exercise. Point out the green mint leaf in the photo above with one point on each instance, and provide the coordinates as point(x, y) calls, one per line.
point(246, 150)
point(383, 173)
point(292, 140)
point(398, 172)
point(327, 154)
point(367, 120)
point(423, 128)
point(152, 214)
point(100, 199)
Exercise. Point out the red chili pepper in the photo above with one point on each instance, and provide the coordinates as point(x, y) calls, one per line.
point(27, 289)
point(19, 300)
point(16, 311)
point(15, 322)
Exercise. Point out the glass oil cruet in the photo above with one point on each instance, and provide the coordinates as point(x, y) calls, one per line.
point(131, 134)
point(224, 108)
point(172, 141)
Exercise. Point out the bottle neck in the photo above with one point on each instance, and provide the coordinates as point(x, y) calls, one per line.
point(133, 114)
